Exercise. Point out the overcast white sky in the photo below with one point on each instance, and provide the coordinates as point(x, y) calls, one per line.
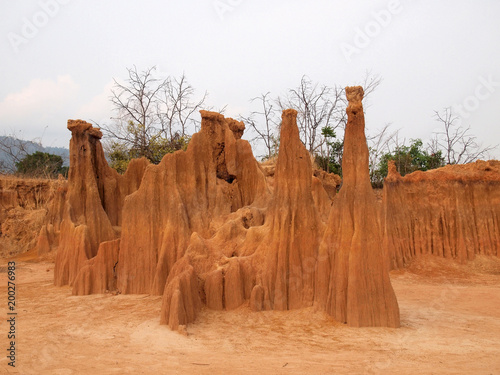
point(59, 56)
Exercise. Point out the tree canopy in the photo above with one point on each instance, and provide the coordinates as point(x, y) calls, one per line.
point(408, 159)
point(41, 164)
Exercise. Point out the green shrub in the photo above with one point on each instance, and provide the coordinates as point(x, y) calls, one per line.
point(42, 164)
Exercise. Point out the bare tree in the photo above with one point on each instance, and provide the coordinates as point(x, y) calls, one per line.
point(135, 103)
point(317, 107)
point(175, 107)
point(370, 82)
point(151, 112)
point(321, 106)
point(321, 114)
point(270, 119)
point(456, 142)
point(14, 149)
point(379, 144)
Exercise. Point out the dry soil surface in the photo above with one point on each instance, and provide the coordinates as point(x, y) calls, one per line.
point(450, 318)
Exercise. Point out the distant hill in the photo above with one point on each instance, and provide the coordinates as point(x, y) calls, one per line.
point(13, 149)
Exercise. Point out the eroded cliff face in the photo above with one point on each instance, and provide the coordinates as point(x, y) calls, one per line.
point(188, 193)
point(211, 226)
point(264, 252)
point(287, 256)
point(451, 212)
point(27, 193)
point(24, 203)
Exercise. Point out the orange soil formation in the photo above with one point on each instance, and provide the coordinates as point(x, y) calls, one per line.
point(23, 211)
point(451, 212)
point(212, 227)
point(353, 268)
point(92, 208)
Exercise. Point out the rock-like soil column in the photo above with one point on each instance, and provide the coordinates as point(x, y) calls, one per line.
point(204, 227)
point(291, 246)
point(93, 203)
point(352, 279)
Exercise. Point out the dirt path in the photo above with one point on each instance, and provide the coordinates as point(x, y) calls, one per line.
point(451, 325)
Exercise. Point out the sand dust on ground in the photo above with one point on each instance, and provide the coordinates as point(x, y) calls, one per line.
point(450, 318)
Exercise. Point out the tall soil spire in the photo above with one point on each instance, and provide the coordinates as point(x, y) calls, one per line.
point(353, 275)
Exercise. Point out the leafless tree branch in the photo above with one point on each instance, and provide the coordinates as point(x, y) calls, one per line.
point(458, 145)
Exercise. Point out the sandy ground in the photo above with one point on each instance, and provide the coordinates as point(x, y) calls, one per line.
point(450, 325)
